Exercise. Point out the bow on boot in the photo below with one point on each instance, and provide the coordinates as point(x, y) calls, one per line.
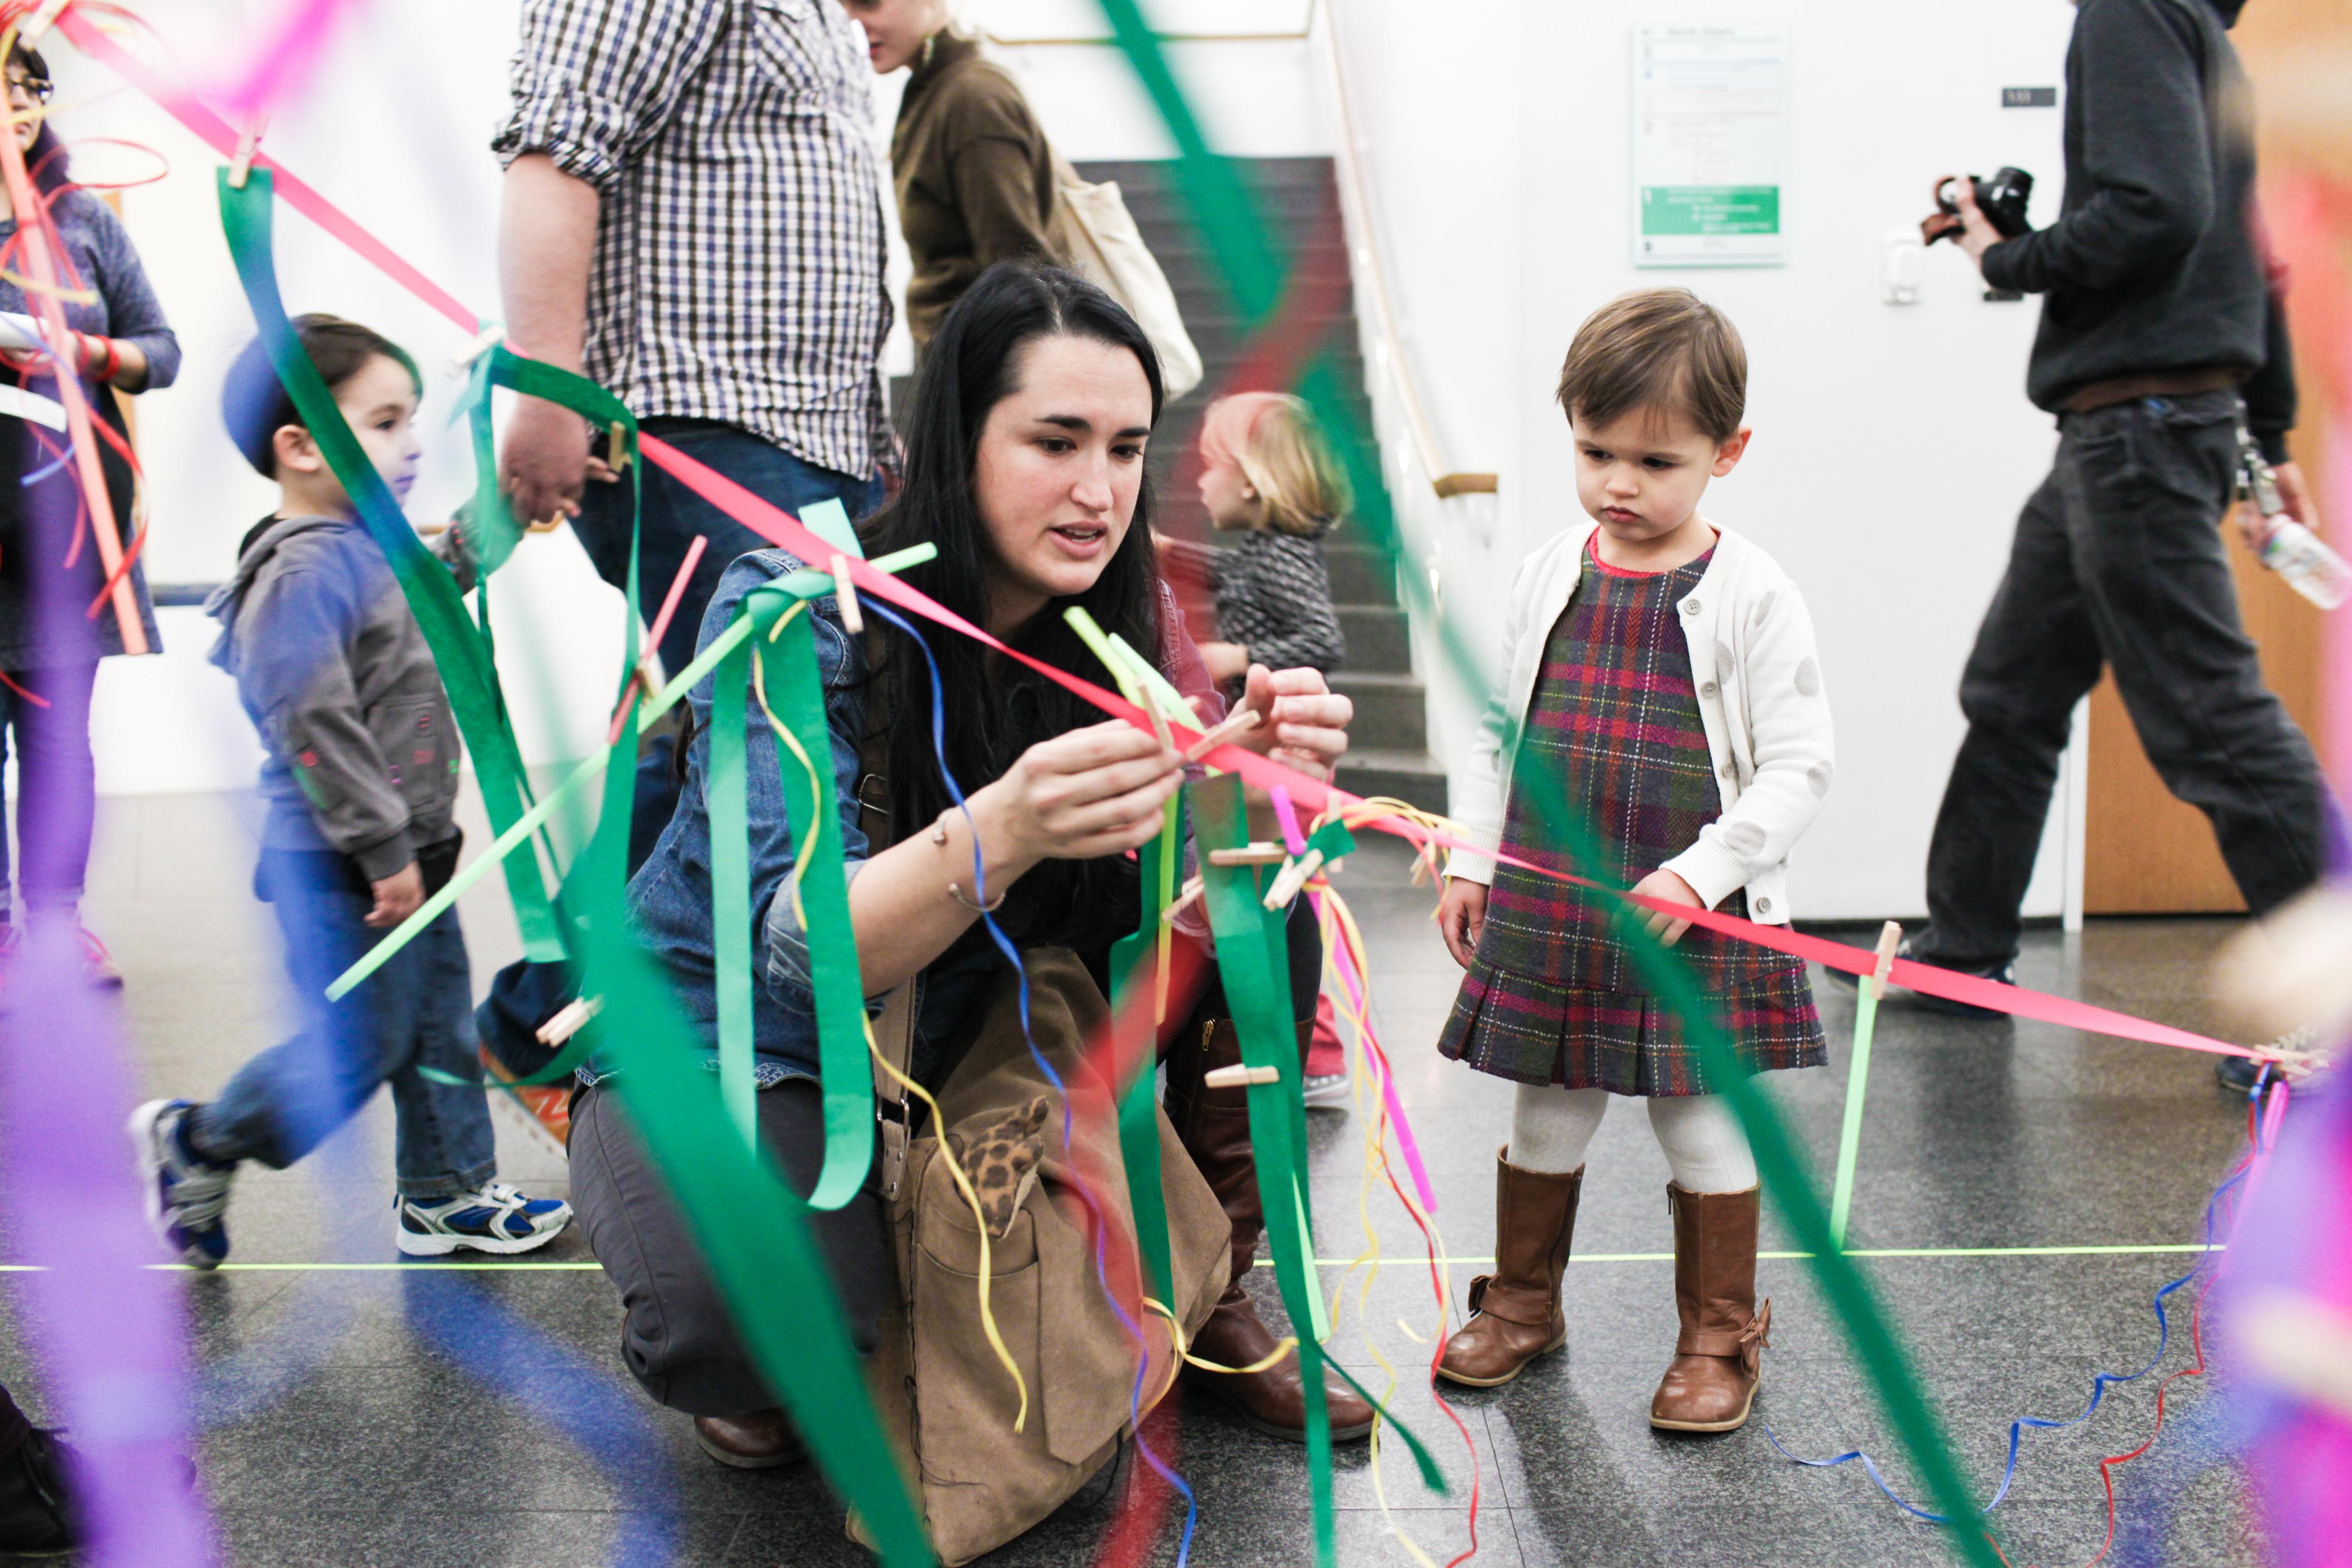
point(1719, 1356)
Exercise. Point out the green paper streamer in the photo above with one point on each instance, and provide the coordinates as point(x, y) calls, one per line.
point(1135, 969)
point(805, 584)
point(796, 692)
point(432, 594)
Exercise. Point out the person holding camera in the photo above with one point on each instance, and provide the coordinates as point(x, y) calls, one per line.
point(2161, 347)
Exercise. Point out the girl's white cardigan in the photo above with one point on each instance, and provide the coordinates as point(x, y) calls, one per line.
point(1759, 698)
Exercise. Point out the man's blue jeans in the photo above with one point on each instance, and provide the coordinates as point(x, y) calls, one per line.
point(410, 1014)
point(525, 996)
point(674, 515)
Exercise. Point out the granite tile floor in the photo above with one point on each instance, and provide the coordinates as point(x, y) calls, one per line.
point(406, 1416)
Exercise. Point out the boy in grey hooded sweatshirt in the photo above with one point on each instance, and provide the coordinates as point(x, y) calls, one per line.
point(361, 783)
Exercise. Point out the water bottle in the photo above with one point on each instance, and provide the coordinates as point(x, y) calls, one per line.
point(2288, 548)
point(2310, 568)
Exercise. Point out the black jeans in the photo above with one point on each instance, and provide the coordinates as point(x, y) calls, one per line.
point(2118, 561)
point(677, 1336)
point(56, 799)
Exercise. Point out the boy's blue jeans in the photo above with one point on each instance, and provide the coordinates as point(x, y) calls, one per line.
point(415, 1012)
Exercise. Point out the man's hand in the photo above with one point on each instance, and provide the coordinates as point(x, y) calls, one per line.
point(1666, 888)
point(545, 464)
point(1972, 230)
point(2294, 495)
point(547, 238)
point(1226, 660)
point(397, 896)
point(1462, 918)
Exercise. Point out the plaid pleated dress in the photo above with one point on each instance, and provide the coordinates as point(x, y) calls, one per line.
point(1613, 730)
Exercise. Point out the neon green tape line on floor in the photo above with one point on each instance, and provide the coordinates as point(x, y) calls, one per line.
point(1930, 1253)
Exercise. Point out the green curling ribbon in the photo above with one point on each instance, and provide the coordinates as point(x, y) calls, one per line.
point(433, 597)
point(1253, 962)
point(1225, 213)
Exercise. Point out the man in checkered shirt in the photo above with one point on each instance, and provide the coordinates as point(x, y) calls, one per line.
point(693, 218)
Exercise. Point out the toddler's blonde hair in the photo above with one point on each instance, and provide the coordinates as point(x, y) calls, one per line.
point(1275, 440)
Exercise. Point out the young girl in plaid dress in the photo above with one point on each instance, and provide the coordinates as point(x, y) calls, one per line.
point(1664, 690)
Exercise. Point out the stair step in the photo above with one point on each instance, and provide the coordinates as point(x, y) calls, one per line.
point(1414, 777)
point(1380, 638)
point(1391, 710)
point(1360, 573)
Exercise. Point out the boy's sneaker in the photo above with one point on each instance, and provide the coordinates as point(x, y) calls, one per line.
point(186, 1193)
point(2005, 973)
point(497, 1218)
point(1326, 1074)
point(34, 1518)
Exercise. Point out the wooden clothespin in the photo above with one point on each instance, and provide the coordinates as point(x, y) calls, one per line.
point(1294, 877)
point(571, 1021)
point(483, 342)
point(249, 144)
point(1239, 1077)
point(1241, 723)
point(1889, 936)
point(619, 460)
point(29, 31)
point(1259, 854)
point(845, 594)
point(1193, 889)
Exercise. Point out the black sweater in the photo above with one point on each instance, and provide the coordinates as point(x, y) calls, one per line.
point(2155, 262)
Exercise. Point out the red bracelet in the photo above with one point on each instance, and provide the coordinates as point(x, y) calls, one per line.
point(113, 363)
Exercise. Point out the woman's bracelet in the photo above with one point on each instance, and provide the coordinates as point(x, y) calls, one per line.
point(92, 347)
point(955, 890)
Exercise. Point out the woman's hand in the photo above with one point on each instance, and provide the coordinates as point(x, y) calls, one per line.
point(1462, 918)
point(1666, 888)
point(1303, 723)
point(1087, 794)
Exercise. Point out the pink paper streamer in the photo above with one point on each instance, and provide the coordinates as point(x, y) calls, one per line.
point(290, 55)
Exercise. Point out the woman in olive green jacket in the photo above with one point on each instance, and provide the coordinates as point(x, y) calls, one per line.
point(972, 169)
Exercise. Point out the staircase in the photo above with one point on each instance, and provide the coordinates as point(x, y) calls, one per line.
point(1390, 753)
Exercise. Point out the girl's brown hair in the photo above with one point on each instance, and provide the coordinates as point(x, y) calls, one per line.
point(1657, 348)
point(1275, 440)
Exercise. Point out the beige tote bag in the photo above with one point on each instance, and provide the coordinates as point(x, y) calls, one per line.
point(1098, 235)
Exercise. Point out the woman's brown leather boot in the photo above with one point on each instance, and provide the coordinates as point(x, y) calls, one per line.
point(1515, 1314)
point(1718, 1360)
point(1213, 1126)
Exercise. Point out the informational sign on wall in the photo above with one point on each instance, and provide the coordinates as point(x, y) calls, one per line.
point(1710, 143)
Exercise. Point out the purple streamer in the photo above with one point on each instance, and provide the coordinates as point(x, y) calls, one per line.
point(107, 1326)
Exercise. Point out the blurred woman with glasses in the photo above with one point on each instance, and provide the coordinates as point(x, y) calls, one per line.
point(56, 622)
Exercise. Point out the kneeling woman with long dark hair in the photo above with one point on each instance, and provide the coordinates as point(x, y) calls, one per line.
point(1025, 468)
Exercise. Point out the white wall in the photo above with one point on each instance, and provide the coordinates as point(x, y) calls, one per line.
point(1894, 444)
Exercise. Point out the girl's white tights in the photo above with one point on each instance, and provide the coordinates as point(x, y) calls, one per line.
point(1705, 1147)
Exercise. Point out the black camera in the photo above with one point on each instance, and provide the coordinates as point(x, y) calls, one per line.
point(2002, 199)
